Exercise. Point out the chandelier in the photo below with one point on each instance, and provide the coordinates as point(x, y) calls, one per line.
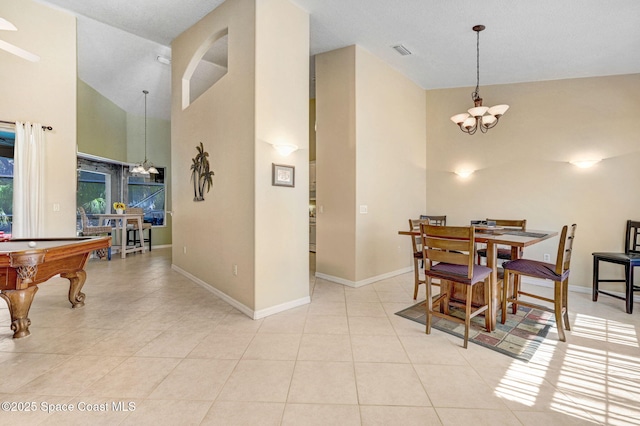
point(479, 117)
point(146, 167)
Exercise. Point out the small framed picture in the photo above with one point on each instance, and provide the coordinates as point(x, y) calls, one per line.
point(283, 175)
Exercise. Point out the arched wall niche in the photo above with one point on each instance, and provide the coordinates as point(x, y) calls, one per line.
point(207, 66)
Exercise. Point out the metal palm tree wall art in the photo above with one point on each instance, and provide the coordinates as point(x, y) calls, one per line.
point(201, 173)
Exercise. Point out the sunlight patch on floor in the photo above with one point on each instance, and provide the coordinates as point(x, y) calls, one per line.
point(605, 330)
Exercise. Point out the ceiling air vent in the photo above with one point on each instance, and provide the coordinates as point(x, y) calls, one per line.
point(402, 50)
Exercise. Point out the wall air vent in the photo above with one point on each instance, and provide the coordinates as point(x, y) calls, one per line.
point(402, 50)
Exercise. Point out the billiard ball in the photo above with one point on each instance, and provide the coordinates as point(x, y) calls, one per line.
point(32, 244)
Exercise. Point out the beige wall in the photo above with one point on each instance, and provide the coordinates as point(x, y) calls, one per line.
point(522, 168)
point(370, 152)
point(102, 125)
point(282, 115)
point(336, 164)
point(45, 92)
point(244, 221)
point(390, 164)
point(218, 232)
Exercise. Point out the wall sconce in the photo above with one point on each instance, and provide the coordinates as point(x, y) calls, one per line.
point(585, 164)
point(463, 173)
point(285, 149)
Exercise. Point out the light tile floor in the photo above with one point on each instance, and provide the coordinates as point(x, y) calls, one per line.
point(152, 347)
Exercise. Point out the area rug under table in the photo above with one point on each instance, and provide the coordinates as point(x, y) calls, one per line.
point(519, 337)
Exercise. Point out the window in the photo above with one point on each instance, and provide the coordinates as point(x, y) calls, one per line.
point(94, 194)
point(7, 140)
point(6, 194)
point(148, 192)
point(102, 182)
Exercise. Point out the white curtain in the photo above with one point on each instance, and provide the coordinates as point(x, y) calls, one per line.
point(28, 181)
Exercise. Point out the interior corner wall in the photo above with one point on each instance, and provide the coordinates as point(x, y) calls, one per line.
point(102, 125)
point(45, 92)
point(370, 154)
point(336, 164)
point(211, 236)
point(522, 165)
point(390, 165)
point(282, 116)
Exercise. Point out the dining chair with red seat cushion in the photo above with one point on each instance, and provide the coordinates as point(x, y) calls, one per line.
point(449, 254)
point(558, 273)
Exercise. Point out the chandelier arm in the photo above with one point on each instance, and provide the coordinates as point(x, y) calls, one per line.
point(471, 130)
point(492, 125)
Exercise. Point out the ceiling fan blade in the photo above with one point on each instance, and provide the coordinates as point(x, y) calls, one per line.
point(18, 51)
point(6, 25)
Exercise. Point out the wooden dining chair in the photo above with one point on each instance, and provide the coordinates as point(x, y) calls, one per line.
point(416, 245)
point(133, 234)
point(91, 230)
point(505, 253)
point(629, 259)
point(558, 273)
point(449, 256)
point(416, 248)
point(435, 220)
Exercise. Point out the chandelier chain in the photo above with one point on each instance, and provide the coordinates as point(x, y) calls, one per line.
point(145, 124)
point(146, 166)
point(476, 94)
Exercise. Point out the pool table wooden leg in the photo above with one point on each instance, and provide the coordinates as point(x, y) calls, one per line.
point(19, 302)
point(76, 281)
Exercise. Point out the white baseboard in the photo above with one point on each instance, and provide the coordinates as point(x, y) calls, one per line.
point(281, 308)
point(525, 280)
point(549, 284)
point(572, 288)
point(161, 246)
point(240, 306)
point(361, 283)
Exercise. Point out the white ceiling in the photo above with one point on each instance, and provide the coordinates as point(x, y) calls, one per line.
point(119, 40)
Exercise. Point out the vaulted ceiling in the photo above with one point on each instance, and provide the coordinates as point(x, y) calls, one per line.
point(119, 40)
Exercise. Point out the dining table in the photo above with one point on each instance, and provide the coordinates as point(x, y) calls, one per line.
point(119, 222)
point(493, 237)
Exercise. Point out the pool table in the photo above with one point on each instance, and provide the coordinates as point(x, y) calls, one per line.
point(25, 263)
